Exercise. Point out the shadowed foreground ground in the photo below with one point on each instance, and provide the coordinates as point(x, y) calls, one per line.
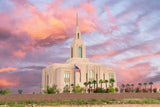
point(50, 97)
point(115, 105)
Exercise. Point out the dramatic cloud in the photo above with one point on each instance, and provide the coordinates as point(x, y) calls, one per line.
point(34, 34)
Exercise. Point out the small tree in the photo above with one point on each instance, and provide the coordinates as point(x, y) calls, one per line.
point(33, 92)
point(20, 91)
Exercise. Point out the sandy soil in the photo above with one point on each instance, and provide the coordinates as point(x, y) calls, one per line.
point(50, 97)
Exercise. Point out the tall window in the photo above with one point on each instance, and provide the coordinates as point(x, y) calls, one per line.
point(66, 79)
point(111, 76)
point(80, 52)
point(86, 77)
point(71, 52)
point(97, 77)
point(91, 75)
point(103, 76)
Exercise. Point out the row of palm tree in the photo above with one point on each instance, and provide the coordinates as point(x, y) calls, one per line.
point(140, 84)
point(94, 82)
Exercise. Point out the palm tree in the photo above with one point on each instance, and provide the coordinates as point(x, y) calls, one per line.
point(132, 86)
point(101, 81)
point(128, 88)
point(112, 81)
point(89, 83)
point(140, 84)
point(94, 82)
point(127, 85)
point(86, 84)
point(151, 83)
point(145, 85)
point(122, 85)
point(106, 81)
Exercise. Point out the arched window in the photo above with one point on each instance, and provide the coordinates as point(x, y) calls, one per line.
point(71, 52)
point(80, 52)
point(78, 35)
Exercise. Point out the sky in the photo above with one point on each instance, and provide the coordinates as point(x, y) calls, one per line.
point(121, 34)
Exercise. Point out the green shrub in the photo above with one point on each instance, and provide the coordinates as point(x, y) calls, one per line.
point(145, 90)
point(33, 93)
point(137, 90)
point(116, 89)
point(99, 90)
point(111, 89)
point(155, 90)
point(121, 90)
point(5, 91)
point(66, 89)
point(77, 89)
point(99, 102)
point(20, 91)
point(52, 90)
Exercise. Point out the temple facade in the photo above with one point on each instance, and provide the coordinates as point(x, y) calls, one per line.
point(64, 74)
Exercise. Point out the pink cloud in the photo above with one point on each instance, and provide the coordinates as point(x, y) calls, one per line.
point(8, 69)
point(4, 83)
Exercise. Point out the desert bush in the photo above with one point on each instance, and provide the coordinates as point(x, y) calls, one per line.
point(52, 90)
point(137, 90)
point(126, 89)
point(144, 90)
point(99, 90)
point(78, 89)
point(155, 90)
point(33, 93)
point(20, 91)
point(66, 89)
point(5, 91)
point(111, 89)
point(121, 90)
point(116, 89)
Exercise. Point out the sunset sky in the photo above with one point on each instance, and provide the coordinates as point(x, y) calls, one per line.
point(122, 34)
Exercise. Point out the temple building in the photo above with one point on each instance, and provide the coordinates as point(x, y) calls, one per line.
point(64, 74)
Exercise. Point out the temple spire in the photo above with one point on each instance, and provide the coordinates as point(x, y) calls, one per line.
point(77, 18)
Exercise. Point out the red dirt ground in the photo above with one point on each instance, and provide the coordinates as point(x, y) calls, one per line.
point(72, 96)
